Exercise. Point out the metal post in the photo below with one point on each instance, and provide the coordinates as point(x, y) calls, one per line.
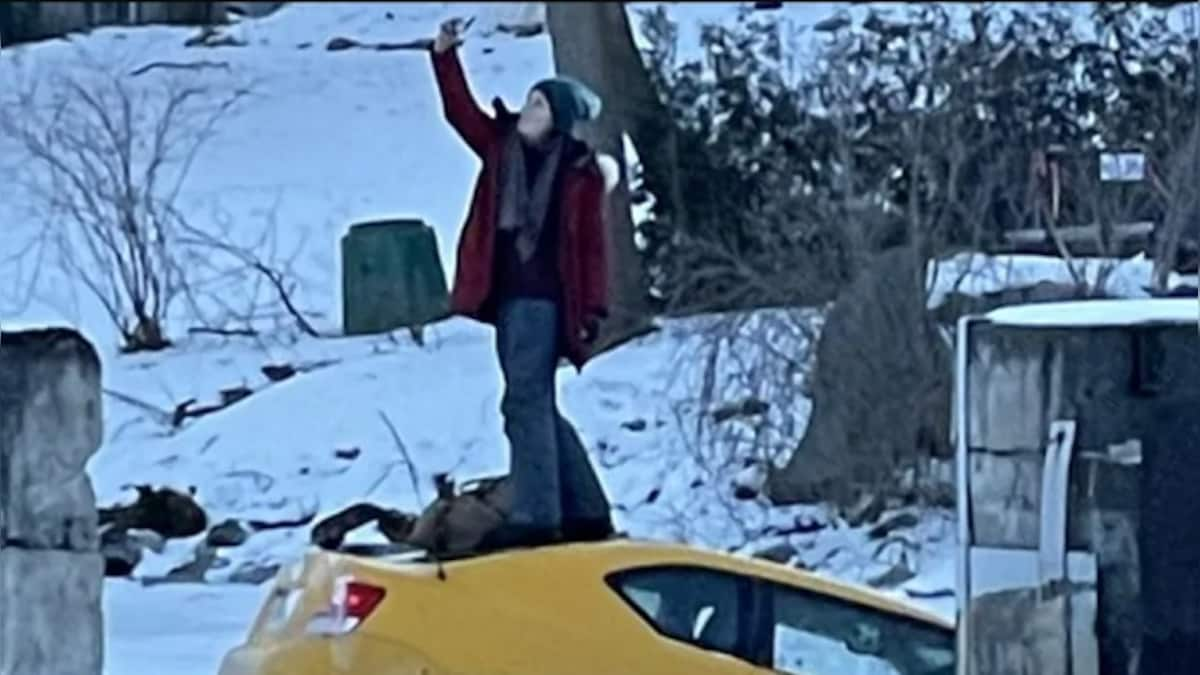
point(961, 430)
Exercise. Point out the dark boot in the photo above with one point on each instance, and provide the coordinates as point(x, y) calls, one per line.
point(585, 508)
point(587, 529)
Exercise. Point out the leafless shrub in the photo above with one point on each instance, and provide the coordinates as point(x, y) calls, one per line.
point(740, 380)
point(255, 272)
point(106, 163)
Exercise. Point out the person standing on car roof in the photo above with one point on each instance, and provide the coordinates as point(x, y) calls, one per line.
point(532, 262)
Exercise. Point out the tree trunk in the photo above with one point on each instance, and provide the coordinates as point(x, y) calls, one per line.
point(1182, 219)
point(593, 43)
point(881, 390)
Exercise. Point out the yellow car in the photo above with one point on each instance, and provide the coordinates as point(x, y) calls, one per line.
point(618, 607)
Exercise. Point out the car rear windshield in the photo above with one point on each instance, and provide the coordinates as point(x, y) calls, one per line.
point(813, 633)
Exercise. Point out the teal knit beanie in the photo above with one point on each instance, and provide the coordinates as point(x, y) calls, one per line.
point(570, 100)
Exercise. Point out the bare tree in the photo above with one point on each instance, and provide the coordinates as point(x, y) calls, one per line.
point(593, 42)
point(880, 389)
point(1162, 115)
point(1181, 192)
point(1086, 220)
point(106, 164)
point(923, 141)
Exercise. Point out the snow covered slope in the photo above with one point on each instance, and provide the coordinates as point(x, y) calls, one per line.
point(326, 139)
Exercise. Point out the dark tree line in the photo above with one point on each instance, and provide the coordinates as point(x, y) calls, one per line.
point(29, 21)
point(904, 129)
point(902, 137)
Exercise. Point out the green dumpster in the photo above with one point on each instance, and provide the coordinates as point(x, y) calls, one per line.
point(392, 277)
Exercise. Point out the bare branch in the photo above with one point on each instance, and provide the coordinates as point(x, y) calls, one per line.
point(273, 276)
point(226, 332)
point(160, 415)
point(98, 150)
point(412, 468)
point(195, 65)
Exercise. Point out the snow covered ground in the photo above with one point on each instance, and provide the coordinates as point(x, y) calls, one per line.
point(174, 629)
point(327, 139)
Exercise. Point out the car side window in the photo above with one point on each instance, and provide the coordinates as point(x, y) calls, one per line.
point(813, 634)
point(695, 605)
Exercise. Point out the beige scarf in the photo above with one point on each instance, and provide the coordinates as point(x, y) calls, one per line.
point(523, 208)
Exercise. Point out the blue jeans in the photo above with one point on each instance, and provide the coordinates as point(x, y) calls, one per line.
point(554, 484)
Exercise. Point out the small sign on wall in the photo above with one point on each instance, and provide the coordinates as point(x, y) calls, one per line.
point(1122, 167)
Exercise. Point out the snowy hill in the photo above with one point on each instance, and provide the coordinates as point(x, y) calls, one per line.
point(325, 139)
point(329, 138)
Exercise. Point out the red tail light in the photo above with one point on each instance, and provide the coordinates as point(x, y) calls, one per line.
point(352, 602)
point(362, 599)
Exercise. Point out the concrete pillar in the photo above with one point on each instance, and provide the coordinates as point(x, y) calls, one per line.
point(51, 571)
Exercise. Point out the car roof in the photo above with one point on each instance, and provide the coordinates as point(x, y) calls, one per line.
point(614, 555)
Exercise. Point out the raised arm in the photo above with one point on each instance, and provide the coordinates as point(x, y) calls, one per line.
point(475, 126)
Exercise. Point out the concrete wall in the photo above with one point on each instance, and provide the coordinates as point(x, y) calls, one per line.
point(1119, 385)
point(22, 21)
point(26, 21)
point(51, 571)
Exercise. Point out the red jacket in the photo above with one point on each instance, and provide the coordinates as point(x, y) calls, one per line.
point(582, 252)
